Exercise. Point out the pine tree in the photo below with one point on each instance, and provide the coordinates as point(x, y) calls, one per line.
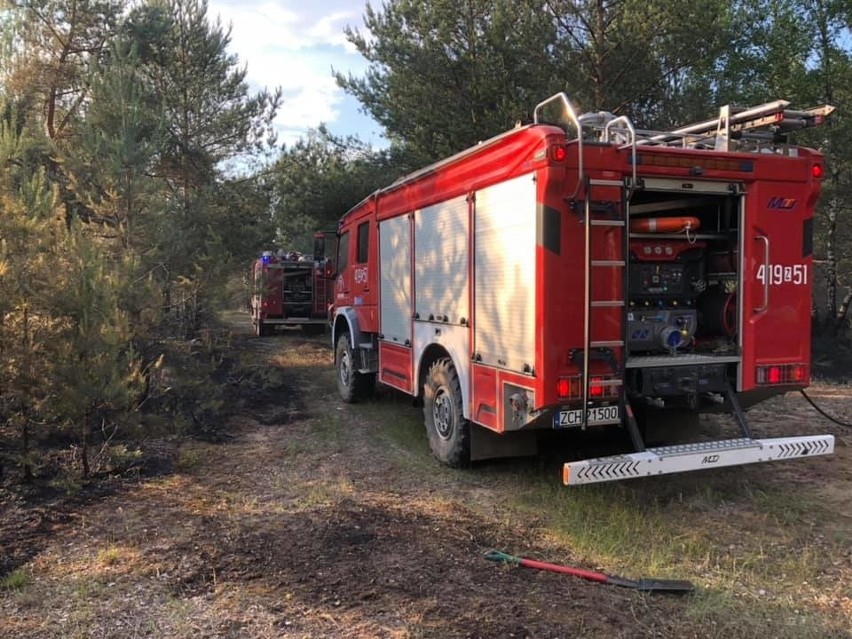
point(28, 230)
point(212, 120)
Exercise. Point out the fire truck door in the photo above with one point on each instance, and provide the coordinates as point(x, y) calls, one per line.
point(356, 273)
point(364, 252)
point(343, 281)
point(777, 271)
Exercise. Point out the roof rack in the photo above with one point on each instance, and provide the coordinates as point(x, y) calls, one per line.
point(758, 129)
point(761, 128)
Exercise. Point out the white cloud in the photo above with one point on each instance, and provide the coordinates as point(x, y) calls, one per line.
point(294, 45)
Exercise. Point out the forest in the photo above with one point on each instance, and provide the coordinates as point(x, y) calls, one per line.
point(139, 173)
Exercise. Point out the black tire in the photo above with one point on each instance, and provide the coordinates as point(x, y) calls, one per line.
point(448, 430)
point(353, 386)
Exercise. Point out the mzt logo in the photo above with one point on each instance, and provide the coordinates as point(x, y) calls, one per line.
point(782, 203)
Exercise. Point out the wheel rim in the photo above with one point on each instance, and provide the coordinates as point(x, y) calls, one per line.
point(345, 368)
point(442, 414)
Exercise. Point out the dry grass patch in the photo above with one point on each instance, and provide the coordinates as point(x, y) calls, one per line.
point(14, 581)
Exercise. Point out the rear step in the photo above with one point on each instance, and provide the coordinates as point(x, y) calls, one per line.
point(698, 456)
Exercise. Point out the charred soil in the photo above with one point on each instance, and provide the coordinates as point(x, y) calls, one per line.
point(319, 519)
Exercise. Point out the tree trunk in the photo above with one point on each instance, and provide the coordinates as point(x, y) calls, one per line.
point(843, 309)
point(84, 445)
point(25, 451)
point(25, 417)
point(599, 53)
point(831, 262)
point(820, 17)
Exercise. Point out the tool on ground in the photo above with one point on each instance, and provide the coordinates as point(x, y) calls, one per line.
point(645, 584)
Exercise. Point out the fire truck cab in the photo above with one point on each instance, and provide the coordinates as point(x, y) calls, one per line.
point(588, 275)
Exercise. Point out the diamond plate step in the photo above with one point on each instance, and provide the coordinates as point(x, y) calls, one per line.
point(698, 456)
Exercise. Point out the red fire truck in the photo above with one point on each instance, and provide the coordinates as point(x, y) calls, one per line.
point(293, 289)
point(586, 275)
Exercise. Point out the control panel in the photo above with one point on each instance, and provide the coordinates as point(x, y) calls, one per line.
point(666, 278)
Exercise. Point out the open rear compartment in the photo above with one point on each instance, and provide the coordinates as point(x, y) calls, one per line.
point(683, 281)
point(298, 290)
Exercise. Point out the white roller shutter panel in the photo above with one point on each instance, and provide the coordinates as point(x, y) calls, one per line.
point(395, 268)
point(441, 258)
point(504, 273)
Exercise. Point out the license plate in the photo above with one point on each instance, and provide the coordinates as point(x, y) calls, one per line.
point(597, 415)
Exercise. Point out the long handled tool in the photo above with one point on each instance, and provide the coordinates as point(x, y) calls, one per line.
point(644, 584)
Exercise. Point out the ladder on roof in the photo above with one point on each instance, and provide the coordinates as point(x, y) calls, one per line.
point(751, 129)
point(746, 129)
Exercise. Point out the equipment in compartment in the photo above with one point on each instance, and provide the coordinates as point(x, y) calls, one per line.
point(298, 289)
point(670, 224)
point(666, 278)
point(717, 314)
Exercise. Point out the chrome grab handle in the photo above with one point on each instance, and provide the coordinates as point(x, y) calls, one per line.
point(572, 116)
point(766, 273)
point(627, 124)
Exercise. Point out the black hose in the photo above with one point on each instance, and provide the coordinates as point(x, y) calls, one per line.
point(823, 413)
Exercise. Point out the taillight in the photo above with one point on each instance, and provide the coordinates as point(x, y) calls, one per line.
point(599, 387)
point(569, 387)
point(817, 171)
point(558, 153)
point(774, 374)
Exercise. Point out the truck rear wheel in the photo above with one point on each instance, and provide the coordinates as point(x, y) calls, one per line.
point(448, 430)
point(353, 386)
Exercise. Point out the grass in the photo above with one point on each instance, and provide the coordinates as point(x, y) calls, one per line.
point(109, 556)
point(15, 580)
point(68, 481)
point(189, 457)
point(736, 533)
point(400, 425)
point(751, 550)
point(749, 538)
point(745, 536)
point(328, 430)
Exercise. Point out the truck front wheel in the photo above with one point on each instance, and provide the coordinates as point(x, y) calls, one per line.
point(448, 430)
point(353, 386)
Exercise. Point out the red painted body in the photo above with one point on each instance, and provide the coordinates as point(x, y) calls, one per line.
point(772, 265)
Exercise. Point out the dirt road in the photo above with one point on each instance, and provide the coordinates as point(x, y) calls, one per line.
point(320, 519)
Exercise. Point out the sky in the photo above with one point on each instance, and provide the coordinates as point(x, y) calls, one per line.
point(294, 44)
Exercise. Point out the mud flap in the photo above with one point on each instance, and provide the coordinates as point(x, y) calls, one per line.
point(486, 444)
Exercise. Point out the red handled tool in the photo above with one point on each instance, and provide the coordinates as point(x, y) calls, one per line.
point(645, 584)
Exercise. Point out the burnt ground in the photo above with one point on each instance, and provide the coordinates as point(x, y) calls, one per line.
point(319, 519)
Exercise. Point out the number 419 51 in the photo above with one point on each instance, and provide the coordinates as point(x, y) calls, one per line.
point(780, 274)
